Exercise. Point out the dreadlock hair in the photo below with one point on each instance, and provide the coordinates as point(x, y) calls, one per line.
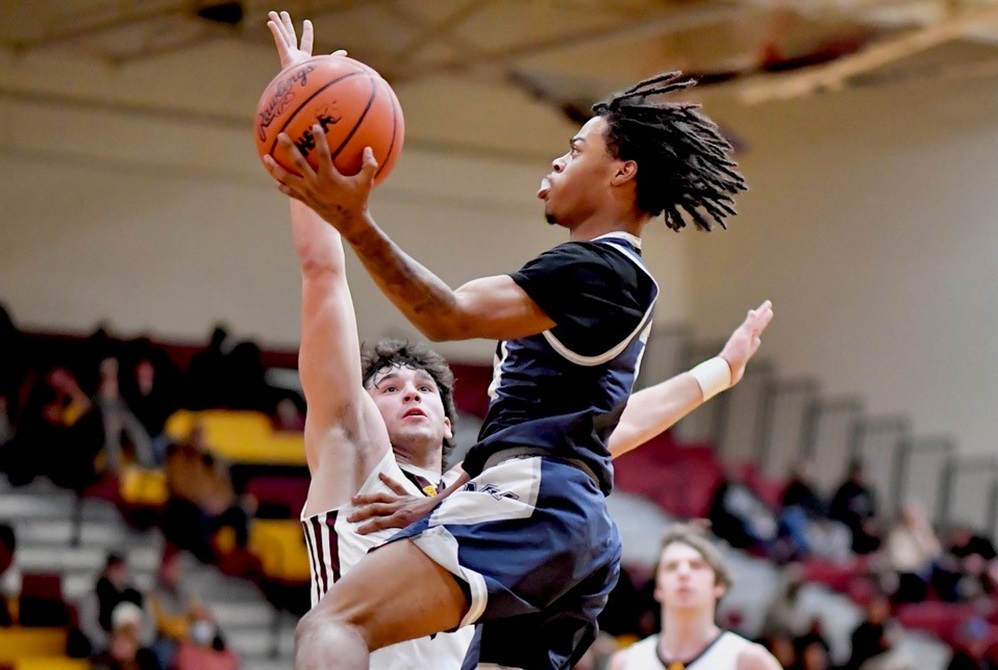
point(388, 354)
point(682, 156)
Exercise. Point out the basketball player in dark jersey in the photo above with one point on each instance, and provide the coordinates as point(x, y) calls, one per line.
point(523, 543)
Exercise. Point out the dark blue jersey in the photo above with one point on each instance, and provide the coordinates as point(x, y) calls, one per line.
point(563, 390)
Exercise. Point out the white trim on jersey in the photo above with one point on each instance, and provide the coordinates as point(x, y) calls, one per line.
point(621, 235)
point(493, 666)
point(600, 359)
point(441, 547)
point(497, 363)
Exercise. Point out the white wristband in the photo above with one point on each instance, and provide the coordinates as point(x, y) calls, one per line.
point(713, 376)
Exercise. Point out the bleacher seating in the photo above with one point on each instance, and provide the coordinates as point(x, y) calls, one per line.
point(679, 478)
point(19, 644)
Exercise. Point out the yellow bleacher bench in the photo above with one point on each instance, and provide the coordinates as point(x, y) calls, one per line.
point(18, 642)
point(280, 546)
point(240, 436)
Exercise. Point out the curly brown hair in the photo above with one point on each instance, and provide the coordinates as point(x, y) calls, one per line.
point(388, 354)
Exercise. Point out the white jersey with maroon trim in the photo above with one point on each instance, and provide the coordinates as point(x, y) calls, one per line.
point(721, 654)
point(335, 547)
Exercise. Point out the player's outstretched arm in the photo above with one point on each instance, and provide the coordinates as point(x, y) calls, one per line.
point(345, 436)
point(654, 410)
point(492, 307)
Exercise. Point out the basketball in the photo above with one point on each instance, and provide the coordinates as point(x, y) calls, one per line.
point(353, 104)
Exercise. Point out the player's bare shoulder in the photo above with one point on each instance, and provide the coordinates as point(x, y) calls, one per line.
point(756, 657)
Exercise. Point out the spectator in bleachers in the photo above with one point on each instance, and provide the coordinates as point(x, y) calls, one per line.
point(790, 613)
point(869, 639)
point(971, 649)
point(812, 654)
point(803, 509)
point(6, 425)
point(13, 362)
point(206, 373)
point(781, 646)
point(149, 384)
point(855, 505)
point(124, 649)
point(895, 656)
point(739, 517)
point(59, 434)
point(911, 552)
point(247, 387)
point(113, 587)
point(205, 649)
point(173, 607)
point(10, 575)
point(120, 426)
point(202, 499)
point(967, 566)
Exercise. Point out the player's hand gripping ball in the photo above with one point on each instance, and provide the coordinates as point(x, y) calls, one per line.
point(353, 104)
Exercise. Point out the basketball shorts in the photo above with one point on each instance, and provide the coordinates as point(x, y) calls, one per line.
point(532, 542)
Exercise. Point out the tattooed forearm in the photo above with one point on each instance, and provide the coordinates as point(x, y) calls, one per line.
point(425, 300)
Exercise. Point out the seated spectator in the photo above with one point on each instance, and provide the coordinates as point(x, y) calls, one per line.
point(804, 518)
point(895, 656)
point(10, 575)
point(205, 649)
point(739, 517)
point(971, 649)
point(869, 638)
point(173, 607)
point(124, 650)
point(13, 361)
point(113, 587)
point(855, 505)
point(59, 434)
point(207, 374)
point(812, 654)
point(120, 425)
point(6, 425)
point(781, 645)
point(202, 499)
point(965, 569)
point(790, 613)
point(150, 384)
point(911, 552)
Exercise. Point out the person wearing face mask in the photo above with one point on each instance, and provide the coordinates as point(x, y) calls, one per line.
point(205, 649)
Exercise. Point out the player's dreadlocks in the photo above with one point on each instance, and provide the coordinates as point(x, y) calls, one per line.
point(682, 157)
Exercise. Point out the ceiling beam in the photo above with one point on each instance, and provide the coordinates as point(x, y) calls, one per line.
point(644, 26)
point(836, 74)
point(53, 37)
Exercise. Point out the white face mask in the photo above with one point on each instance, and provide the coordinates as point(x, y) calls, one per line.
point(202, 632)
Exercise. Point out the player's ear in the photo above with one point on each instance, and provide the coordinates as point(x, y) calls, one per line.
point(626, 171)
point(448, 429)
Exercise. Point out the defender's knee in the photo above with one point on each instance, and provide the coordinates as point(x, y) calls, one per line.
point(324, 628)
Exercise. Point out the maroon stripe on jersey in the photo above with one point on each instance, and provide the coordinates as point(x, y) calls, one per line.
point(334, 544)
point(318, 567)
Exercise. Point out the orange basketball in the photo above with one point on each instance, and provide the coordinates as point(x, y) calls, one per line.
point(355, 107)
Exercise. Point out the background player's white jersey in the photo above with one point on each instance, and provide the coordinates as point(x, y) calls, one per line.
point(335, 547)
point(721, 654)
